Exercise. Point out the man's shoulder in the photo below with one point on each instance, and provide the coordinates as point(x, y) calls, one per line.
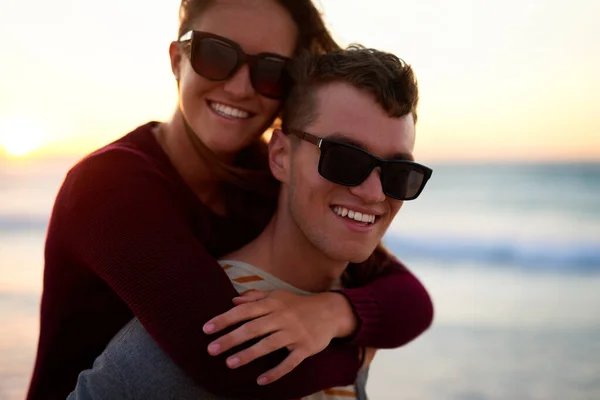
point(122, 371)
point(124, 346)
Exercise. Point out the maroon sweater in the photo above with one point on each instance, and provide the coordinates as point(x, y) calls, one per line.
point(128, 237)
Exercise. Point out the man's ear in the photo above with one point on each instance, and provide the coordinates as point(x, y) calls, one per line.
point(176, 55)
point(280, 154)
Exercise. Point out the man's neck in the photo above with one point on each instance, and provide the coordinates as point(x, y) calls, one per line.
point(283, 251)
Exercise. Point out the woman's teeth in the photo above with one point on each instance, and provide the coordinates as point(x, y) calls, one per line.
point(229, 111)
point(355, 215)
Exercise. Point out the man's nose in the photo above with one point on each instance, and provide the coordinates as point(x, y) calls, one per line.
point(370, 190)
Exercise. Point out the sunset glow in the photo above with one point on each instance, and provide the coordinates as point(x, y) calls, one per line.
point(21, 136)
point(499, 80)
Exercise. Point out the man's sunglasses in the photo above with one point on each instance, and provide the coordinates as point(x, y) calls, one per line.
point(348, 165)
point(217, 58)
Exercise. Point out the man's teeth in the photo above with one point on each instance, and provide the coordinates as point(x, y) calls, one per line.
point(355, 215)
point(229, 111)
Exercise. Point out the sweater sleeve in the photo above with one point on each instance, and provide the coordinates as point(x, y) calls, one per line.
point(393, 308)
point(119, 219)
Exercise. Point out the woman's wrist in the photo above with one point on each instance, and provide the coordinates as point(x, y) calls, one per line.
point(341, 313)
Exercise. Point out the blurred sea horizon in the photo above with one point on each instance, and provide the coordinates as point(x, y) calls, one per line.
point(510, 253)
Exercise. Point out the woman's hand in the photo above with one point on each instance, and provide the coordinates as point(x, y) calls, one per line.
point(303, 324)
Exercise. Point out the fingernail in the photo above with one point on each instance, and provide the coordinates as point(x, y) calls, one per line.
point(208, 328)
point(232, 362)
point(262, 380)
point(214, 348)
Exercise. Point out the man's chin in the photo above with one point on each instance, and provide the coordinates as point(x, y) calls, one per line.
point(359, 255)
point(354, 252)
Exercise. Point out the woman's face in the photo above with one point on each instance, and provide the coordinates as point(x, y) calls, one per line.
point(227, 115)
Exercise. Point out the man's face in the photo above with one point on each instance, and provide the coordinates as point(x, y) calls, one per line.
point(318, 206)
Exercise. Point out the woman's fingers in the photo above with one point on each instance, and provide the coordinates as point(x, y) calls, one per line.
point(286, 366)
point(249, 296)
point(282, 320)
point(250, 330)
point(238, 314)
point(269, 344)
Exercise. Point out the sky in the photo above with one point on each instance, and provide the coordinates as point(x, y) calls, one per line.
point(499, 80)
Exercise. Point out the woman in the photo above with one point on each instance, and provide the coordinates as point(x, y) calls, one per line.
point(137, 225)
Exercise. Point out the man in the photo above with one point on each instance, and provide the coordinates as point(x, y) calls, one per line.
point(344, 160)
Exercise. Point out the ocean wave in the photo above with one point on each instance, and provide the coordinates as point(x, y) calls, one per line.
point(582, 257)
point(571, 256)
point(19, 223)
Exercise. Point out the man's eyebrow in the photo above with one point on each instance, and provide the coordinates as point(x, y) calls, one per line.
point(340, 137)
point(403, 156)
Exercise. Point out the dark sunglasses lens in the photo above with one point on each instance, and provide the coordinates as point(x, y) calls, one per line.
point(269, 76)
point(344, 165)
point(214, 59)
point(402, 181)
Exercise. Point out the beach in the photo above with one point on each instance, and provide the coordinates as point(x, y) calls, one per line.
point(509, 253)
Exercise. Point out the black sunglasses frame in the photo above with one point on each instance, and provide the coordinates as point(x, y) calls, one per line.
point(194, 37)
point(324, 144)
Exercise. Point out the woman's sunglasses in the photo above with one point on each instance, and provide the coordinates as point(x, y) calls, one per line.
point(217, 58)
point(348, 165)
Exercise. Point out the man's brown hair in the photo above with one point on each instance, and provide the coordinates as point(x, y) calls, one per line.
point(388, 78)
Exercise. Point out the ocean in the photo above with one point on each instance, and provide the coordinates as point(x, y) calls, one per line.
point(510, 254)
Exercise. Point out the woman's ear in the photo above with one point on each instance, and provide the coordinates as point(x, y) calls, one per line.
point(280, 155)
point(176, 55)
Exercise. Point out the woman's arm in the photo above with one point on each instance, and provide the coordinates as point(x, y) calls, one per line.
point(391, 305)
point(391, 309)
point(118, 218)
